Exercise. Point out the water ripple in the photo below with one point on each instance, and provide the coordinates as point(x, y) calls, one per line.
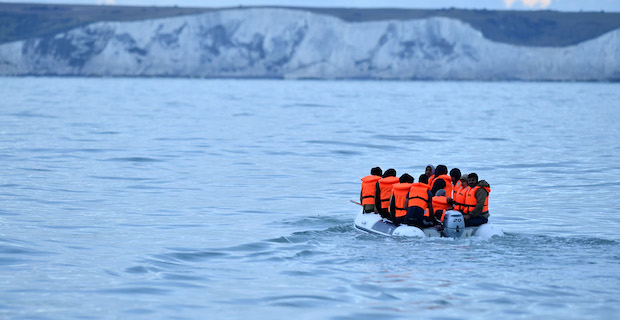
point(407, 138)
point(134, 159)
point(351, 144)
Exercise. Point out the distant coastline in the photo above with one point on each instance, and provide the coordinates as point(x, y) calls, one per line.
point(22, 21)
point(308, 43)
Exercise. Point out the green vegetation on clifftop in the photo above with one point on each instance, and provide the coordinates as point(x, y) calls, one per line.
point(527, 28)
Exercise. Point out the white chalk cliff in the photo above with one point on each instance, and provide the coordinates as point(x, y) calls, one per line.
point(285, 43)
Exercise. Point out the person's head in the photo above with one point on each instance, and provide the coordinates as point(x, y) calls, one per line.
point(423, 179)
point(376, 171)
point(440, 170)
point(472, 179)
point(455, 174)
point(430, 170)
point(406, 178)
point(440, 192)
point(389, 173)
point(464, 182)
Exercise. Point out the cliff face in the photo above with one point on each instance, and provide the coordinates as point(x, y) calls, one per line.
point(281, 43)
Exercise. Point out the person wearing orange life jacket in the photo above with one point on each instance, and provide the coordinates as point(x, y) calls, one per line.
point(477, 201)
point(458, 198)
point(440, 205)
point(419, 201)
point(398, 201)
point(455, 174)
point(430, 173)
point(442, 181)
point(369, 185)
point(384, 192)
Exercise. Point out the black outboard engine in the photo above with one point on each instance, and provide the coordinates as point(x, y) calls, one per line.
point(453, 224)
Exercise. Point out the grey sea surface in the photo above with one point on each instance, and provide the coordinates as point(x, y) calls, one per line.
point(125, 198)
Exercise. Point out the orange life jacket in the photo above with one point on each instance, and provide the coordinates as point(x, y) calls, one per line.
point(456, 188)
point(418, 195)
point(430, 179)
point(369, 185)
point(386, 185)
point(448, 186)
point(440, 205)
point(459, 198)
point(399, 197)
point(470, 200)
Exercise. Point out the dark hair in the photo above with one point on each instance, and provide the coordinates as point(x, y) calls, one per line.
point(423, 178)
point(406, 178)
point(389, 173)
point(472, 175)
point(456, 173)
point(441, 169)
point(376, 171)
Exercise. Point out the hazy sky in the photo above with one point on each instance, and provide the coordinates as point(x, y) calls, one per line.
point(560, 5)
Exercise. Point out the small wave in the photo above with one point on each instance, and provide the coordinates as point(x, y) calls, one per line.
point(120, 178)
point(4, 249)
point(193, 256)
point(94, 150)
point(347, 152)
point(134, 159)
point(303, 301)
point(7, 213)
point(13, 261)
point(536, 165)
point(581, 186)
point(281, 239)
point(316, 221)
point(408, 138)
point(309, 105)
point(279, 153)
point(184, 277)
point(142, 269)
point(492, 139)
point(564, 241)
point(297, 273)
point(373, 315)
point(28, 114)
point(255, 246)
point(36, 169)
point(10, 185)
point(351, 144)
point(136, 290)
point(18, 255)
point(243, 114)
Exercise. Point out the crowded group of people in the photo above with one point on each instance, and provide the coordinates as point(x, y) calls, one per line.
point(424, 203)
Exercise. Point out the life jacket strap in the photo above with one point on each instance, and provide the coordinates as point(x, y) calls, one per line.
point(418, 197)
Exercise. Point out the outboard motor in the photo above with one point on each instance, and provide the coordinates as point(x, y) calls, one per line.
point(453, 224)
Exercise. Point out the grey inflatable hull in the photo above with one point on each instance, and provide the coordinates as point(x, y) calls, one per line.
point(454, 227)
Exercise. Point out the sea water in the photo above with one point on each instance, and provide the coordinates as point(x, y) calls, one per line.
point(229, 199)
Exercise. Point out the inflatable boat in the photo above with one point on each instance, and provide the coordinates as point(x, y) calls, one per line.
point(454, 227)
